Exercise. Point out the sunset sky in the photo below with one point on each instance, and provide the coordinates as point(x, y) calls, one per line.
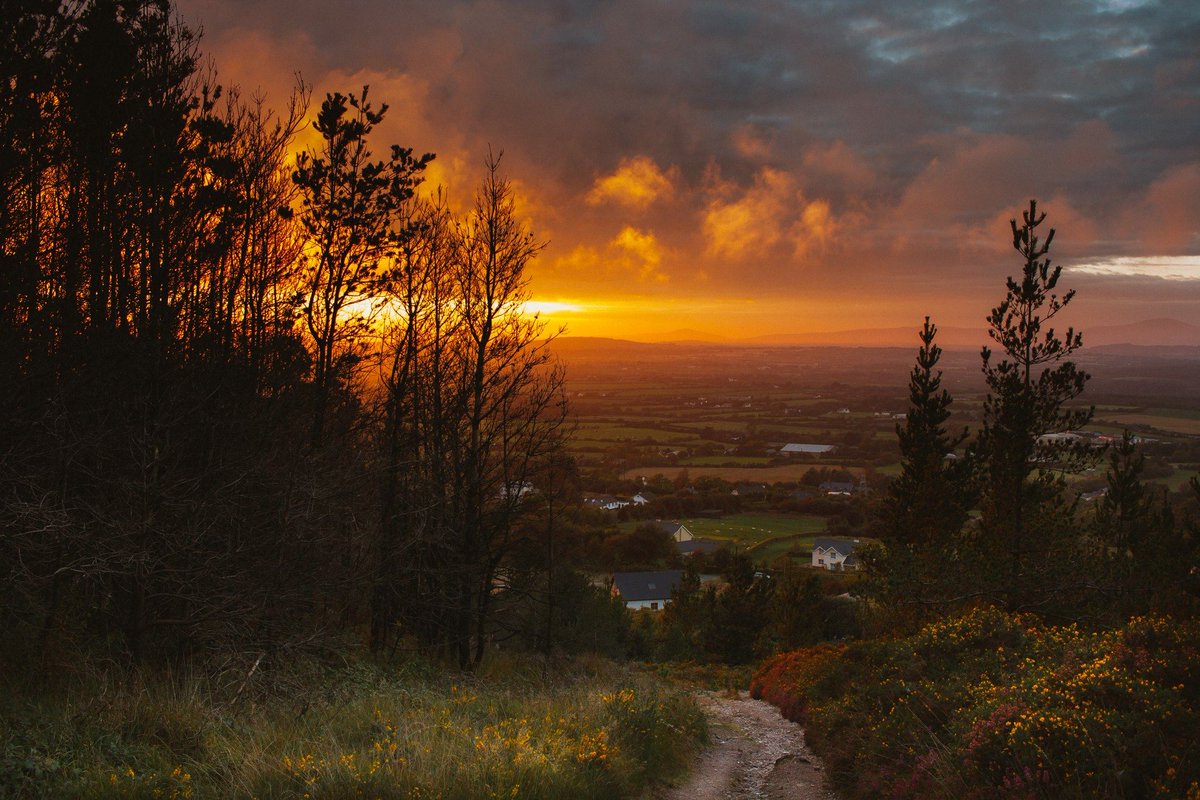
point(762, 166)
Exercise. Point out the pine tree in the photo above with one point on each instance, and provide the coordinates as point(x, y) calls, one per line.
point(927, 503)
point(926, 506)
point(1024, 528)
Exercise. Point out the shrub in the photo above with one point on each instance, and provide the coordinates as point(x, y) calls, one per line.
point(992, 705)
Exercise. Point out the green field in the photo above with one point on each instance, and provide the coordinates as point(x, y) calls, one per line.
point(1176, 481)
point(1174, 422)
point(718, 461)
point(751, 529)
point(776, 474)
point(770, 550)
point(603, 432)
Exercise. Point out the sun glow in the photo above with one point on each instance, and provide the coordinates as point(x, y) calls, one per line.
point(548, 307)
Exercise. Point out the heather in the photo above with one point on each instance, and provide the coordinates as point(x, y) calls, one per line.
point(989, 704)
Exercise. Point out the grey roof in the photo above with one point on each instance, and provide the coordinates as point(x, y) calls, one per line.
point(647, 585)
point(838, 486)
point(697, 546)
point(843, 546)
point(807, 448)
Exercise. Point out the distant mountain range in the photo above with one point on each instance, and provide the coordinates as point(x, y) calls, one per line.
point(1162, 331)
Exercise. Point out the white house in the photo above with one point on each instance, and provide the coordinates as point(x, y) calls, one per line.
point(836, 555)
point(677, 532)
point(650, 590)
point(606, 501)
point(643, 498)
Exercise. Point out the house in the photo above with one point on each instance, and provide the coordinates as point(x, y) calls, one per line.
point(839, 487)
point(606, 501)
point(836, 555)
point(516, 489)
point(651, 590)
point(693, 546)
point(806, 449)
point(677, 532)
point(749, 490)
point(643, 498)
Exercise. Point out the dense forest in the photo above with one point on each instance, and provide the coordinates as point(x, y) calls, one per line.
point(251, 399)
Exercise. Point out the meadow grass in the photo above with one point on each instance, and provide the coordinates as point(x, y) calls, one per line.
point(594, 730)
point(1161, 420)
point(775, 474)
point(750, 529)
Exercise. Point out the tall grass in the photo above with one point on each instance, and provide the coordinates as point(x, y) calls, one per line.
point(599, 730)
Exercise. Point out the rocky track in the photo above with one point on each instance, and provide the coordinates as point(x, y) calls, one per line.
point(755, 755)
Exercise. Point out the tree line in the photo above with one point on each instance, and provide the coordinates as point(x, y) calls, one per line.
point(990, 517)
point(251, 399)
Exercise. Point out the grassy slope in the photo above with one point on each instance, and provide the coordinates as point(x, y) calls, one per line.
point(598, 731)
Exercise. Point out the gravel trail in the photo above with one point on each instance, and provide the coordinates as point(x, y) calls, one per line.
point(755, 755)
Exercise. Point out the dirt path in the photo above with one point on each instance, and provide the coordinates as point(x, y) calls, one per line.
point(755, 755)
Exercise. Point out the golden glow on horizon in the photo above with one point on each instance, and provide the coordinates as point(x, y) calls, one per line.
point(548, 307)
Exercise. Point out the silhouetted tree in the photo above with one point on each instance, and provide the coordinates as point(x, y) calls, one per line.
point(1025, 529)
point(348, 207)
point(926, 506)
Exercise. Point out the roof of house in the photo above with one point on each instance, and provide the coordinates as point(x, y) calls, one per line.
point(843, 546)
point(697, 546)
point(670, 528)
point(807, 448)
point(647, 585)
point(838, 486)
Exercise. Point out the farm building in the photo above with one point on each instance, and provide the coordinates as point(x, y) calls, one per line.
point(606, 501)
point(836, 555)
point(807, 449)
point(650, 590)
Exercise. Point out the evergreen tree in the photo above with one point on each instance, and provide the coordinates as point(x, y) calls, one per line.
point(925, 506)
point(927, 503)
point(1025, 528)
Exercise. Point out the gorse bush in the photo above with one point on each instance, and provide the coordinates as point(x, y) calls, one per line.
point(993, 705)
point(600, 731)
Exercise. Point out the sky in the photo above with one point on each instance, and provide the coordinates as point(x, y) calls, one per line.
point(776, 166)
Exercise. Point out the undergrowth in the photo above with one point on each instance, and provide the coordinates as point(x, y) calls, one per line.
point(594, 730)
point(994, 706)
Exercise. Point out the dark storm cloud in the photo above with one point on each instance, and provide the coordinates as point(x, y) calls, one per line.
point(881, 117)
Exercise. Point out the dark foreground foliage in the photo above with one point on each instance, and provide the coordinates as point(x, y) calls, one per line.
point(594, 730)
point(995, 705)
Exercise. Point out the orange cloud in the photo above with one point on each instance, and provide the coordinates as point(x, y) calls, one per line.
point(751, 143)
point(637, 183)
point(838, 163)
point(1168, 218)
point(770, 214)
point(643, 249)
point(632, 255)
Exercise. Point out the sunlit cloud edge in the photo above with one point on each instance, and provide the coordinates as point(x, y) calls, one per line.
point(1168, 268)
